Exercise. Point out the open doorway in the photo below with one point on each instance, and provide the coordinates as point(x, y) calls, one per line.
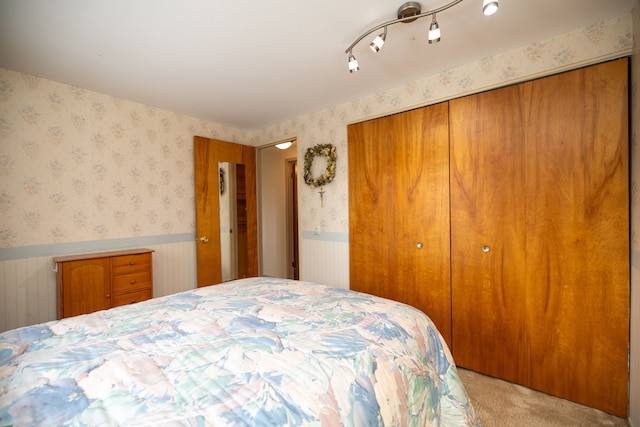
point(278, 211)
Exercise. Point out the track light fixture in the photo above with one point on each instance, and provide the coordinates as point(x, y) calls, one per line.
point(409, 12)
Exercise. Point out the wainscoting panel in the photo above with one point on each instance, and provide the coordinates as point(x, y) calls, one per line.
point(27, 292)
point(174, 268)
point(28, 287)
point(325, 261)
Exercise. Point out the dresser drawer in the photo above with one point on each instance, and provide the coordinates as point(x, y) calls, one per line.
point(132, 282)
point(130, 298)
point(130, 263)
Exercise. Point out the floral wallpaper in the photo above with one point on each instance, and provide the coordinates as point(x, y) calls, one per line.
point(77, 165)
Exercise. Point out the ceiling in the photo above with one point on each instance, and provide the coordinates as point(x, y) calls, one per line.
point(256, 63)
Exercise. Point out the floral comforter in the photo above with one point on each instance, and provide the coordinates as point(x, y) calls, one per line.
point(253, 352)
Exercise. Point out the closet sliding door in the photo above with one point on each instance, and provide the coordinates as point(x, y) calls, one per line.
point(487, 231)
point(578, 235)
point(399, 210)
point(540, 234)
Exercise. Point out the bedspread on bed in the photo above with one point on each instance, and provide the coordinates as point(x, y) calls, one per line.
point(254, 352)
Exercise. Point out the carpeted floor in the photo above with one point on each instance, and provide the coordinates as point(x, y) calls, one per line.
point(499, 403)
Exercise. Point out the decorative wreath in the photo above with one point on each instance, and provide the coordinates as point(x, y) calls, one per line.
point(326, 150)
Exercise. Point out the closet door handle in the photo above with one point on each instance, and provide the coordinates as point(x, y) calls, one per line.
point(419, 245)
point(486, 248)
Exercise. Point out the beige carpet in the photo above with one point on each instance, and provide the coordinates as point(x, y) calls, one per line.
point(499, 403)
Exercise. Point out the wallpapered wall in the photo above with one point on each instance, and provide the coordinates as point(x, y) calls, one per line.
point(78, 165)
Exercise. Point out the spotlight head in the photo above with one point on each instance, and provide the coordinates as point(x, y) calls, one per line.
point(353, 63)
point(377, 43)
point(489, 7)
point(434, 31)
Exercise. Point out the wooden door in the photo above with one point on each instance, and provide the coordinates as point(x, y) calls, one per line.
point(207, 154)
point(487, 231)
point(399, 210)
point(578, 235)
point(540, 175)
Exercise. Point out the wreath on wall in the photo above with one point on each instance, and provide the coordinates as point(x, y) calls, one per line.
point(321, 150)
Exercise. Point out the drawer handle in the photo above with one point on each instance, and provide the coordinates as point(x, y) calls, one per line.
point(132, 263)
point(107, 296)
point(133, 282)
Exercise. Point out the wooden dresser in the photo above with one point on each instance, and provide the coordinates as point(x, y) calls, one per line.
point(102, 280)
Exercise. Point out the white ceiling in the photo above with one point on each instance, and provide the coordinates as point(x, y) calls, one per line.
point(251, 64)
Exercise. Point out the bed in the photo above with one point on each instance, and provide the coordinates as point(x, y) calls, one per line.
point(251, 352)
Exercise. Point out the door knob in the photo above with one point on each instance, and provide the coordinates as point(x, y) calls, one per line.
point(204, 239)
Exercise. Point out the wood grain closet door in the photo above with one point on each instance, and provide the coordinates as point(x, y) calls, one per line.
point(487, 231)
point(540, 174)
point(371, 213)
point(399, 210)
point(577, 311)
